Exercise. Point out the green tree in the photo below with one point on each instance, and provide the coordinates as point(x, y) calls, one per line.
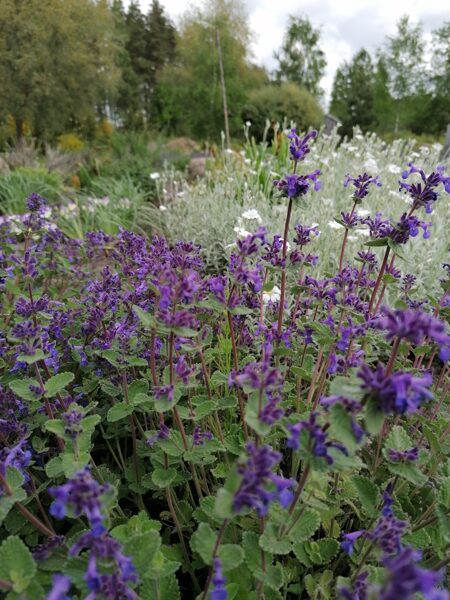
point(58, 59)
point(300, 59)
point(403, 56)
point(352, 96)
point(190, 90)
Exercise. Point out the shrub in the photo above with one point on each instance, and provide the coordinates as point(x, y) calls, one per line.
point(279, 103)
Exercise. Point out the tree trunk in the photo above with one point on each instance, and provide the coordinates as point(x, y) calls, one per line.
point(19, 129)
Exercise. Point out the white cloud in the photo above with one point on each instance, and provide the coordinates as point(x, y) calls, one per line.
point(346, 25)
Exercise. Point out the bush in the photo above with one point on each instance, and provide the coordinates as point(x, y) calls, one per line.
point(277, 103)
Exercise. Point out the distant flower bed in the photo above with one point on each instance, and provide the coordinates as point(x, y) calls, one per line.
point(260, 431)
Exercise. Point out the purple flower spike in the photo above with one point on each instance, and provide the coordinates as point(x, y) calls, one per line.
point(82, 495)
point(295, 186)
point(219, 591)
point(361, 185)
point(299, 147)
point(61, 585)
point(258, 480)
point(318, 438)
point(410, 455)
point(424, 194)
point(405, 578)
point(349, 540)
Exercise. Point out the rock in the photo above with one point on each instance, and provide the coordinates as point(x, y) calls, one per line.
point(197, 167)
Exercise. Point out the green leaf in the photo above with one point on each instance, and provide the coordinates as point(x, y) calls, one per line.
point(55, 426)
point(443, 494)
point(142, 549)
point(15, 480)
point(21, 387)
point(398, 439)
point(163, 478)
point(30, 359)
point(147, 319)
point(341, 427)
point(54, 467)
point(316, 552)
point(203, 541)
point(17, 565)
point(408, 471)
point(164, 588)
point(270, 541)
point(231, 556)
point(136, 387)
point(119, 411)
point(57, 383)
point(374, 417)
point(368, 493)
point(306, 526)
point(378, 243)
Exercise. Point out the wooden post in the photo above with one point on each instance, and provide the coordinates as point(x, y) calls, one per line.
point(224, 92)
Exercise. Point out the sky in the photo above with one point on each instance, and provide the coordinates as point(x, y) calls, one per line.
point(347, 25)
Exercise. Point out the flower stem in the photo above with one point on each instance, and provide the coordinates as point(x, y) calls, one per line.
point(283, 271)
point(379, 278)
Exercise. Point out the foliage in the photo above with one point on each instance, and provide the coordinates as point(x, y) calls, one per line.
point(286, 102)
point(73, 48)
point(195, 73)
point(352, 99)
point(300, 59)
point(275, 428)
point(20, 183)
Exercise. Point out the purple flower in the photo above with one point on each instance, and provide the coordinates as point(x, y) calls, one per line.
point(319, 445)
point(413, 326)
point(258, 481)
point(219, 591)
point(407, 227)
point(294, 186)
point(360, 588)
point(405, 578)
point(164, 392)
point(403, 456)
point(80, 495)
point(162, 434)
point(199, 436)
point(111, 585)
point(17, 456)
point(61, 585)
point(349, 540)
point(299, 147)
point(44, 550)
point(378, 227)
point(398, 392)
point(72, 423)
point(361, 185)
point(35, 202)
point(424, 194)
point(303, 234)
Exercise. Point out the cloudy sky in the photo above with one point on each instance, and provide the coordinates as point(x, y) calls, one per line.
point(347, 25)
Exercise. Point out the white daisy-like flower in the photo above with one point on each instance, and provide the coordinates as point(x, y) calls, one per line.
point(272, 296)
point(241, 233)
point(248, 123)
point(371, 163)
point(394, 169)
point(363, 212)
point(155, 175)
point(252, 215)
point(363, 232)
point(162, 208)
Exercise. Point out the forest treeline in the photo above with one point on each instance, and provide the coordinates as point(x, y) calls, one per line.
point(75, 65)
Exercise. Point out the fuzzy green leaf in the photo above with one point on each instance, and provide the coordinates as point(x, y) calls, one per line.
point(119, 411)
point(17, 565)
point(203, 541)
point(57, 383)
point(163, 478)
point(368, 493)
point(306, 526)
